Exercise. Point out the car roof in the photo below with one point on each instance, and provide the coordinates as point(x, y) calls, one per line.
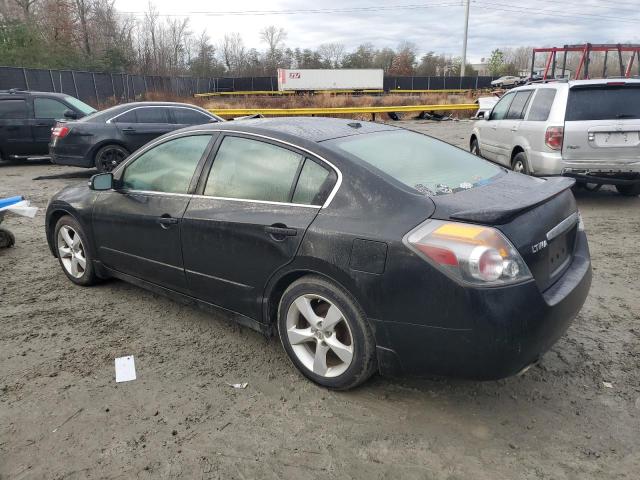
point(18, 92)
point(313, 129)
point(561, 84)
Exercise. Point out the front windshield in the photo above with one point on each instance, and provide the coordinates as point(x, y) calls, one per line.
point(423, 163)
point(80, 105)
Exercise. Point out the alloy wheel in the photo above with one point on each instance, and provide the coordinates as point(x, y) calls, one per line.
point(518, 166)
point(110, 159)
point(319, 335)
point(71, 251)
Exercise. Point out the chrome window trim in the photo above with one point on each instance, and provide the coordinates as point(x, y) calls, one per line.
point(149, 146)
point(205, 113)
point(563, 226)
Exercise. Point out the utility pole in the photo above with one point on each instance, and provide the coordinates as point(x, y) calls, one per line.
point(464, 42)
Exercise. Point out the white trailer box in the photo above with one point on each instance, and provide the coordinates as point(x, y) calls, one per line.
point(330, 79)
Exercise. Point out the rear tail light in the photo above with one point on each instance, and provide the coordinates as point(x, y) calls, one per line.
point(553, 137)
point(470, 253)
point(60, 132)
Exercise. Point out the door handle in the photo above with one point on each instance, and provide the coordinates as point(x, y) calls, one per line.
point(514, 129)
point(281, 231)
point(42, 125)
point(166, 221)
point(128, 130)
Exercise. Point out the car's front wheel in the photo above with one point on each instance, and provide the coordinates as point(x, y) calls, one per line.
point(109, 157)
point(475, 147)
point(73, 254)
point(325, 333)
point(632, 190)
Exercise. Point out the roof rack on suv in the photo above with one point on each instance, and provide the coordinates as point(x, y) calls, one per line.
point(14, 90)
point(549, 80)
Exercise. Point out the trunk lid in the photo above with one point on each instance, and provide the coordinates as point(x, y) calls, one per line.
point(602, 122)
point(537, 215)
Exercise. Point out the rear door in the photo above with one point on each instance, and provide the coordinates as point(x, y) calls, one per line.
point(254, 207)
point(15, 127)
point(509, 126)
point(185, 117)
point(602, 123)
point(46, 111)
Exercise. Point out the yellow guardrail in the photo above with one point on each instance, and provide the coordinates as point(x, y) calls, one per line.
point(343, 110)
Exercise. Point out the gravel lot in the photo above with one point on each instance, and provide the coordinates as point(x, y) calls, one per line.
point(63, 416)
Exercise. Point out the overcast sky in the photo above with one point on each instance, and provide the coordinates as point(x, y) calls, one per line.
point(433, 25)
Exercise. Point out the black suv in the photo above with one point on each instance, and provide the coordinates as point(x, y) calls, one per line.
point(26, 119)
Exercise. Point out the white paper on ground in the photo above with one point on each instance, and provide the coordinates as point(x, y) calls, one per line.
point(125, 369)
point(22, 208)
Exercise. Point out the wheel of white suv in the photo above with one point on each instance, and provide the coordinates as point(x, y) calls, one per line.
point(629, 190)
point(73, 254)
point(519, 163)
point(325, 333)
point(474, 148)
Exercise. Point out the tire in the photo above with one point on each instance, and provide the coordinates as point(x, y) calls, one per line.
point(474, 148)
point(72, 250)
point(519, 163)
point(7, 239)
point(109, 157)
point(629, 190)
point(347, 355)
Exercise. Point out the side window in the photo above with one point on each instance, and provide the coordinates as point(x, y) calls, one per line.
point(13, 109)
point(314, 184)
point(48, 108)
point(167, 167)
point(126, 117)
point(541, 106)
point(519, 105)
point(501, 108)
point(252, 170)
point(152, 115)
point(189, 117)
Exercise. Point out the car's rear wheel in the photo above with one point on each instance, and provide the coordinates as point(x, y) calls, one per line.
point(629, 190)
point(475, 147)
point(519, 163)
point(325, 333)
point(74, 256)
point(7, 239)
point(109, 157)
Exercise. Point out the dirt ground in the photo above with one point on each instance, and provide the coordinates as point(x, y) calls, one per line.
point(63, 416)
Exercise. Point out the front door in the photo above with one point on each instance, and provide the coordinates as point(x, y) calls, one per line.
point(255, 206)
point(490, 129)
point(141, 125)
point(508, 129)
point(137, 225)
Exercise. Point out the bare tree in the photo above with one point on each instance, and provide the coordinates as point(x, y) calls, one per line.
point(332, 53)
point(27, 7)
point(273, 37)
point(83, 9)
point(233, 52)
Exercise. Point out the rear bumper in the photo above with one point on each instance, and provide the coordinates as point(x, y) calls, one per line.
point(73, 160)
point(512, 328)
point(608, 171)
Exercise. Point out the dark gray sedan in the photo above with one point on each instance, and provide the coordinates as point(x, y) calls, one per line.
point(104, 139)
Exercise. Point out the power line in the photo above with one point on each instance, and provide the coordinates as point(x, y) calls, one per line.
point(552, 13)
point(364, 9)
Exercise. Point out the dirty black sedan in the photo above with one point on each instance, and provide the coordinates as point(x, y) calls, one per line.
point(365, 247)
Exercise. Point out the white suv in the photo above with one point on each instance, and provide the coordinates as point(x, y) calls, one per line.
point(586, 129)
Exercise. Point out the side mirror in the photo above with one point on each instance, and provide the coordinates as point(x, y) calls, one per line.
point(487, 115)
point(101, 182)
point(70, 114)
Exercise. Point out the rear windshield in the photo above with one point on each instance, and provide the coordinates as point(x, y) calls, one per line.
point(604, 103)
point(423, 163)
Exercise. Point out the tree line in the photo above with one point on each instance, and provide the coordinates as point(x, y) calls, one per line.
point(93, 35)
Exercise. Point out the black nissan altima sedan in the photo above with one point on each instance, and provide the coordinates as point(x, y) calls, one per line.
point(365, 247)
point(105, 138)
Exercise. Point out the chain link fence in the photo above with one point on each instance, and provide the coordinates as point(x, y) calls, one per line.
point(98, 88)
